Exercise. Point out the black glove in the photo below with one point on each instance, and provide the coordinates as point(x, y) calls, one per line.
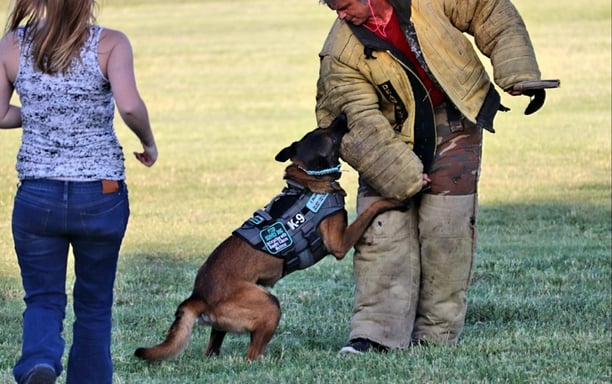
point(536, 90)
point(538, 96)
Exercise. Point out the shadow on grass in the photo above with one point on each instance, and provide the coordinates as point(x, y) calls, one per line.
point(536, 263)
point(545, 262)
point(142, 277)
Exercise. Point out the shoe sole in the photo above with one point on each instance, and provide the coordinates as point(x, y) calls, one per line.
point(41, 375)
point(350, 349)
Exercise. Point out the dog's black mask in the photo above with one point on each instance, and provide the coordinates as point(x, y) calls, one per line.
point(318, 150)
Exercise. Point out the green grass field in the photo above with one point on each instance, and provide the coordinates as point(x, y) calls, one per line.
point(229, 83)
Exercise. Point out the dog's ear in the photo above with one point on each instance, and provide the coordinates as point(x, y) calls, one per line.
point(339, 123)
point(286, 153)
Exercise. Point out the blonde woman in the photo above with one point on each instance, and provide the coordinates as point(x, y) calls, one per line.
point(69, 74)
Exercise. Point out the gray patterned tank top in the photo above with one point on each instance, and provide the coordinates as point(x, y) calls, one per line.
point(67, 119)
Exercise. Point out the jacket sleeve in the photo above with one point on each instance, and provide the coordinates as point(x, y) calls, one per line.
point(499, 33)
point(371, 146)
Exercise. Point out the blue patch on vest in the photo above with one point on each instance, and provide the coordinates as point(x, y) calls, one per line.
point(276, 238)
point(316, 201)
point(256, 219)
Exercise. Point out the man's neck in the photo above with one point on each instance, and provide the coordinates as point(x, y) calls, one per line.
point(381, 14)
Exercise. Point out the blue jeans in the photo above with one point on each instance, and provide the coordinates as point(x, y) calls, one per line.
point(48, 217)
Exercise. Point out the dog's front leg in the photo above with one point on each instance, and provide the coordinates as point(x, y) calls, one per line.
point(338, 238)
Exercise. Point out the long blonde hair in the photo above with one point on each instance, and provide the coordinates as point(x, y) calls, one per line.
point(58, 29)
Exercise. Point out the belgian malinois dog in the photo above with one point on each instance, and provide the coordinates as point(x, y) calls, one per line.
point(229, 292)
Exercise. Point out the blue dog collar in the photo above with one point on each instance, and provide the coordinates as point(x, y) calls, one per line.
point(323, 172)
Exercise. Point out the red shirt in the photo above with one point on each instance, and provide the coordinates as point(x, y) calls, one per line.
point(392, 32)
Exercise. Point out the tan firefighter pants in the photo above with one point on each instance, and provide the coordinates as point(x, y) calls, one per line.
point(412, 269)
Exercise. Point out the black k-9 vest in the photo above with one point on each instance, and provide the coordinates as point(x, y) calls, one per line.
point(287, 227)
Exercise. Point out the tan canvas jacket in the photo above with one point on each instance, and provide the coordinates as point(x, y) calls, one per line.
point(376, 92)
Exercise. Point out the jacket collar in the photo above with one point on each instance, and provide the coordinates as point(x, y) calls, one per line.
point(403, 9)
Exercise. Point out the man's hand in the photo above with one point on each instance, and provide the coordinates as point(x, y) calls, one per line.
point(536, 90)
point(426, 180)
point(537, 98)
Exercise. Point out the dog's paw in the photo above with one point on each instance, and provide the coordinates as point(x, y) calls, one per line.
point(391, 205)
point(401, 206)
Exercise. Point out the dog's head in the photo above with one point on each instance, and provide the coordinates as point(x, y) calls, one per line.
point(318, 152)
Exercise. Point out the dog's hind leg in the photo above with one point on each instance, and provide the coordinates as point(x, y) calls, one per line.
point(250, 309)
point(262, 334)
point(215, 341)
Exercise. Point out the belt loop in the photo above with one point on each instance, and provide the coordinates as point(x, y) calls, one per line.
point(455, 118)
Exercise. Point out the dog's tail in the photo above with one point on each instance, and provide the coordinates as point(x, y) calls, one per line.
point(179, 333)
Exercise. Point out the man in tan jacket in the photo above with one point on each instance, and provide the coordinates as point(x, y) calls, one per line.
point(417, 99)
